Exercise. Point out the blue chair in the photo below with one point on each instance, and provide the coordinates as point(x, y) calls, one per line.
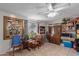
point(16, 42)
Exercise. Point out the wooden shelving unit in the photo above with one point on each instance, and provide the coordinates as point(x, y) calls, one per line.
point(68, 31)
point(77, 36)
point(12, 26)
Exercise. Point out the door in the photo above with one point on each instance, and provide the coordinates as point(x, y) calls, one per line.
point(57, 34)
point(50, 29)
point(49, 34)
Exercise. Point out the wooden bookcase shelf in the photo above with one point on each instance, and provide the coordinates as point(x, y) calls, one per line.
point(12, 26)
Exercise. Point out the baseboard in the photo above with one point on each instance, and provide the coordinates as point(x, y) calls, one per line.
point(4, 52)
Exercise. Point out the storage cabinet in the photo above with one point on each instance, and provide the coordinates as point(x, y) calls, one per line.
point(57, 34)
point(56, 37)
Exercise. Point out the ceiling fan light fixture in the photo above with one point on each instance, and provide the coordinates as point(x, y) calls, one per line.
point(52, 14)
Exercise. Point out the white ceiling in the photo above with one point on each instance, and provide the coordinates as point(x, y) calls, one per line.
point(32, 11)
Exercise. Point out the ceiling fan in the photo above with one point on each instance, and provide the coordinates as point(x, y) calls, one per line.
point(53, 8)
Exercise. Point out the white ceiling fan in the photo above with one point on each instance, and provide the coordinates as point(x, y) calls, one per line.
point(53, 8)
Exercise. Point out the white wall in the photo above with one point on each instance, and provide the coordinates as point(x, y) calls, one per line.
point(30, 26)
point(4, 44)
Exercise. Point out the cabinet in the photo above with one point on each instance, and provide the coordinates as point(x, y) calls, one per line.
point(57, 34)
point(56, 37)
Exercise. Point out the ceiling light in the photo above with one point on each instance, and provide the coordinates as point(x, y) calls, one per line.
point(52, 14)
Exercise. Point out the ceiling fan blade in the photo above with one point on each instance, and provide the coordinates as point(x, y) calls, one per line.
point(61, 8)
point(50, 7)
point(44, 13)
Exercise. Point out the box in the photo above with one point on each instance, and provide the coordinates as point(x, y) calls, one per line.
point(68, 44)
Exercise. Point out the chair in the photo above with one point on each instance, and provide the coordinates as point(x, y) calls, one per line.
point(16, 42)
point(39, 40)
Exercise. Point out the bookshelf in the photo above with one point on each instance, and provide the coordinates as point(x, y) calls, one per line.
point(12, 26)
point(68, 31)
point(77, 37)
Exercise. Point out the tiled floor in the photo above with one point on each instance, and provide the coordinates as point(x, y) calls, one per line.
point(48, 49)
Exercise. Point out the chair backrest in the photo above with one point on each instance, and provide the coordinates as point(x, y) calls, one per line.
point(16, 40)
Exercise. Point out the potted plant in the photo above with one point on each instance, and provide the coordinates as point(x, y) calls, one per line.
point(65, 20)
